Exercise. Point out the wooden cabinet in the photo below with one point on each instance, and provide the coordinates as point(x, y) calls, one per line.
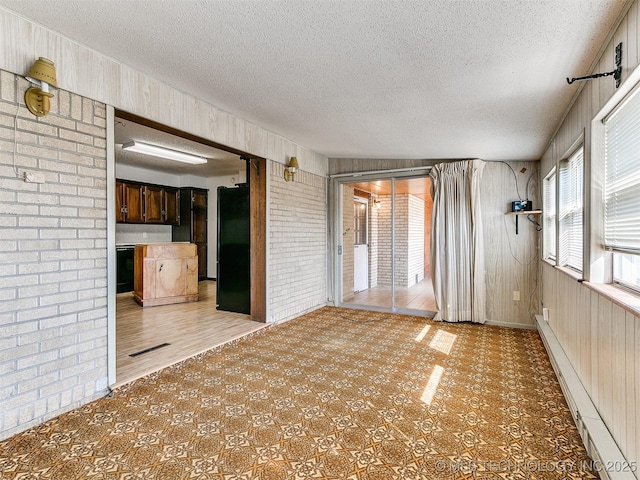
point(146, 203)
point(161, 205)
point(129, 202)
point(153, 204)
point(171, 202)
point(165, 273)
point(193, 224)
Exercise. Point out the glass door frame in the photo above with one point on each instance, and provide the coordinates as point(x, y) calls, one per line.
point(336, 246)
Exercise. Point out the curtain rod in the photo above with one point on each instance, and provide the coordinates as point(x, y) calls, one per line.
point(378, 172)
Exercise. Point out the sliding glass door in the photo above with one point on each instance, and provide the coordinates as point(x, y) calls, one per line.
point(383, 244)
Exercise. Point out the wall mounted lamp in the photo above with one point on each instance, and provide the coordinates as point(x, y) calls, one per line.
point(42, 74)
point(162, 152)
point(291, 169)
point(377, 203)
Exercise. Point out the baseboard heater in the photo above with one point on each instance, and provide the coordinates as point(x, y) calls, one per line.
point(607, 458)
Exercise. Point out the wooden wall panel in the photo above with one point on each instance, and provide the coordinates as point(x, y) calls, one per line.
point(601, 339)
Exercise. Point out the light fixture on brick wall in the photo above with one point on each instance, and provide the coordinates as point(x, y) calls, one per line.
point(38, 98)
point(291, 169)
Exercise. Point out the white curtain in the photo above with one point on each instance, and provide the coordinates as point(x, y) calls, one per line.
point(457, 248)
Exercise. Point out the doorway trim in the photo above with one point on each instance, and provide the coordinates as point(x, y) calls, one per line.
point(258, 184)
point(335, 222)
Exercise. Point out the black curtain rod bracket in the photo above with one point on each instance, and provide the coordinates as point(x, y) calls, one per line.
point(617, 73)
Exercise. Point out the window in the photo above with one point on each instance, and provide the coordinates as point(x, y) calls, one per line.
point(570, 210)
point(549, 216)
point(622, 190)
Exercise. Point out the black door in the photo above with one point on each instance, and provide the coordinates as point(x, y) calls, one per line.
point(233, 275)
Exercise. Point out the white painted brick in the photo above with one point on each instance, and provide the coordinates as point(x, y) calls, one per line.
point(8, 329)
point(77, 264)
point(60, 188)
point(26, 315)
point(39, 245)
point(58, 298)
point(58, 255)
point(37, 290)
point(58, 277)
point(58, 232)
point(57, 364)
point(50, 210)
point(77, 223)
point(76, 307)
point(36, 360)
point(56, 321)
point(39, 267)
point(40, 222)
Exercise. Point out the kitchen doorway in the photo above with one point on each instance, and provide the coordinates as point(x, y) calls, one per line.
point(383, 245)
point(142, 340)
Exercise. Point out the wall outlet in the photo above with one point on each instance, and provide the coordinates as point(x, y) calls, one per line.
point(516, 295)
point(545, 314)
point(144, 234)
point(33, 177)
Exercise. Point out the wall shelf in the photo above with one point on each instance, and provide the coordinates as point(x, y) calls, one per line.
point(523, 212)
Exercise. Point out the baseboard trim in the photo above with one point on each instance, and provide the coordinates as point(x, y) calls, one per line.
point(526, 326)
point(607, 458)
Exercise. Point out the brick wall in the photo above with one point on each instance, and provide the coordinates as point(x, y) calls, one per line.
point(409, 240)
point(53, 257)
point(297, 265)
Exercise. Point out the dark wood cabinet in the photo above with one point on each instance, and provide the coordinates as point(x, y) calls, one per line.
point(171, 202)
point(146, 203)
point(193, 224)
point(129, 202)
point(153, 204)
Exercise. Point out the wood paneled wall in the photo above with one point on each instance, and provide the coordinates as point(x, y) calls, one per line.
point(510, 259)
point(93, 75)
point(601, 339)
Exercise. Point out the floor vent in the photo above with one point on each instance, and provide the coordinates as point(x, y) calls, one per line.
point(150, 349)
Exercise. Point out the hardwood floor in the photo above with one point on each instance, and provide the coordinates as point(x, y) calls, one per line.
point(188, 328)
point(417, 297)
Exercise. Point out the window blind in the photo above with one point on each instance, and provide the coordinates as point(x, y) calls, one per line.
point(622, 177)
point(549, 216)
point(571, 207)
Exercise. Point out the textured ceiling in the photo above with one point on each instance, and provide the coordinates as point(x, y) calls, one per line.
point(347, 78)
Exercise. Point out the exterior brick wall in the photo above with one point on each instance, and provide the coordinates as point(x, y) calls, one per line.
point(297, 261)
point(53, 257)
point(409, 240)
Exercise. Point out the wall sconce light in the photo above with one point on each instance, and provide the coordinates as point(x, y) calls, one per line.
point(377, 203)
point(291, 169)
point(42, 74)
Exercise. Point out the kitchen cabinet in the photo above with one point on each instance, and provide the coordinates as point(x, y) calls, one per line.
point(129, 202)
point(161, 205)
point(165, 273)
point(146, 203)
point(193, 224)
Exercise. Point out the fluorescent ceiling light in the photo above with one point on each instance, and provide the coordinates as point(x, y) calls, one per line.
point(162, 152)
